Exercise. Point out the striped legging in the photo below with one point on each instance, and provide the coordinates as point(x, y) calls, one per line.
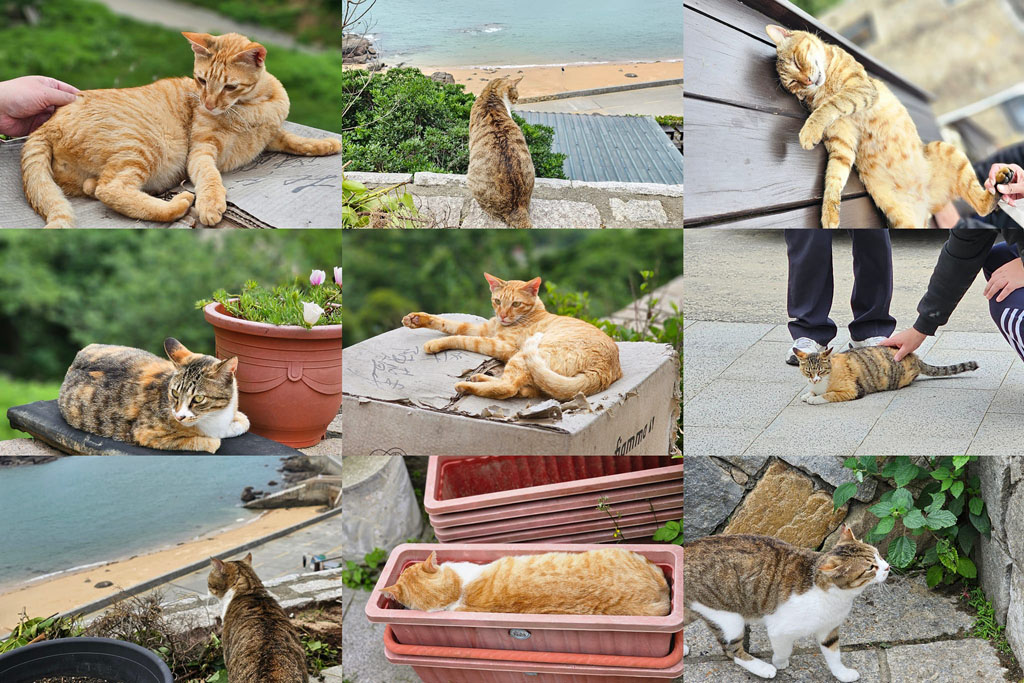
point(1008, 314)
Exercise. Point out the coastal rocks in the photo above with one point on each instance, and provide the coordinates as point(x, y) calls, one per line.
point(442, 77)
point(785, 505)
point(103, 584)
point(357, 49)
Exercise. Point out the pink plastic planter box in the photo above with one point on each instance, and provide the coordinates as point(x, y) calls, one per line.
point(565, 633)
point(467, 665)
point(460, 483)
point(555, 524)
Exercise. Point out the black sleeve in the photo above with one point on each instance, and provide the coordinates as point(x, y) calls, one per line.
point(1014, 154)
point(962, 257)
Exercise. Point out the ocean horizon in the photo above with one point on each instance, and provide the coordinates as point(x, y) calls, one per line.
point(81, 511)
point(484, 33)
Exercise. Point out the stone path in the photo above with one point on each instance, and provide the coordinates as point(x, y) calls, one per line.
point(899, 632)
point(659, 101)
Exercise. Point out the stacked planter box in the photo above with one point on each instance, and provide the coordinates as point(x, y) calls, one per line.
point(452, 647)
point(554, 499)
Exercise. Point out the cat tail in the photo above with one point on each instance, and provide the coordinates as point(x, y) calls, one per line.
point(948, 162)
point(42, 191)
point(519, 218)
point(945, 370)
point(550, 382)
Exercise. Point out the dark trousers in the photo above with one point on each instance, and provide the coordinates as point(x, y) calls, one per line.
point(811, 284)
point(1008, 314)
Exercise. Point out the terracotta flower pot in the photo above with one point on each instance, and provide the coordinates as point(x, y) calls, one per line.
point(289, 378)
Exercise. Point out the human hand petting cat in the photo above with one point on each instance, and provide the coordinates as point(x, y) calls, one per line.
point(905, 342)
point(1012, 191)
point(29, 101)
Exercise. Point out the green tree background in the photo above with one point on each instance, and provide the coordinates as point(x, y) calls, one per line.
point(397, 272)
point(129, 287)
point(816, 7)
point(87, 45)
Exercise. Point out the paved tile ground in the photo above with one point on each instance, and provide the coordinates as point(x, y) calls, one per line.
point(881, 639)
point(662, 100)
point(741, 398)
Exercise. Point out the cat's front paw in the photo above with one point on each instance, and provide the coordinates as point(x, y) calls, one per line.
point(211, 207)
point(812, 399)
point(239, 425)
point(846, 675)
point(414, 321)
point(434, 346)
point(756, 667)
point(810, 134)
point(466, 387)
point(326, 147)
point(686, 649)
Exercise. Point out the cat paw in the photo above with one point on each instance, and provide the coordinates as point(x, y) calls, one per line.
point(846, 675)
point(239, 426)
point(211, 209)
point(813, 400)
point(686, 649)
point(780, 664)
point(756, 667)
point(180, 203)
point(415, 321)
point(830, 217)
point(208, 444)
point(810, 135)
point(327, 147)
point(478, 377)
point(465, 387)
point(434, 346)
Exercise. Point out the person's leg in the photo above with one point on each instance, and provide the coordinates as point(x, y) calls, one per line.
point(1008, 314)
point(872, 284)
point(810, 284)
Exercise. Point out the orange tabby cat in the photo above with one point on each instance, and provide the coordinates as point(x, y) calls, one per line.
point(119, 145)
point(606, 581)
point(863, 123)
point(501, 173)
point(544, 354)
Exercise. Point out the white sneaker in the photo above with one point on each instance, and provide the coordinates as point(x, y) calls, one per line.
point(805, 344)
point(870, 341)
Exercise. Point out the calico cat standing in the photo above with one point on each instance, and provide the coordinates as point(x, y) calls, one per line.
point(120, 145)
point(606, 581)
point(862, 123)
point(856, 373)
point(733, 580)
point(260, 644)
point(501, 173)
point(544, 354)
point(189, 402)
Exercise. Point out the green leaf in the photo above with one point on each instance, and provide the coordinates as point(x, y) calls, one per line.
point(901, 552)
point(941, 473)
point(940, 519)
point(930, 557)
point(977, 505)
point(966, 538)
point(960, 460)
point(881, 509)
point(981, 523)
point(966, 568)
point(843, 493)
point(906, 472)
point(902, 498)
point(956, 506)
point(946, 483)
point(934, 575)
point(850, 463)
point(956, 488)
point(883, 527)
point(664, 534)
point(938, 499)
point(914, 519)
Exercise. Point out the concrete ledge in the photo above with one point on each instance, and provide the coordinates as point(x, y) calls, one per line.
point(557, 203)
point(601, 91)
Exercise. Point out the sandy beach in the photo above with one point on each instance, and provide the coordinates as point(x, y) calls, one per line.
point(67, 591)
point(550, 80)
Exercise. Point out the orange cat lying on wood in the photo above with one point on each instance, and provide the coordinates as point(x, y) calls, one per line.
point(119, 145)
point(544, 354)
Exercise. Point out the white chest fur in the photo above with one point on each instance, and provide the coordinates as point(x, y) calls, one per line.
point(508, 103)
point(467, 572)
point(218, 424)
point(811, 613)
point(818, 388)
point(225, 602)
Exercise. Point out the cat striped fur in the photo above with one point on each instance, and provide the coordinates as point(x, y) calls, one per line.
point(856, 373)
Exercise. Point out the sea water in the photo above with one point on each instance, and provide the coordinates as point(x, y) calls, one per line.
point(81, 510)
point(525, 32)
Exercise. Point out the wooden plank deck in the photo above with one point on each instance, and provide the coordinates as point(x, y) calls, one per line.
point(747, 168)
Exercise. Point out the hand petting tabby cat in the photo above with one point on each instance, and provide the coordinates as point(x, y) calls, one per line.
point(544, 354)
point(734, 580)
point(120, 145)
point(862, 123)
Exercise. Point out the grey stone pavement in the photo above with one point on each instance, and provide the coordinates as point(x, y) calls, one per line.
point(665, 100)
point(741, 398)
point(899, 632)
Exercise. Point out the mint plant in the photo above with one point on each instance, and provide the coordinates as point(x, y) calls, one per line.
point(947, 504)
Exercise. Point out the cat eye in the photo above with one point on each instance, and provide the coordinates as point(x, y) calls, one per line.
point(202, 81)
point(198, 398)
point(516, 304)
point(174, 393)
point(230, 86)
point(496, 301)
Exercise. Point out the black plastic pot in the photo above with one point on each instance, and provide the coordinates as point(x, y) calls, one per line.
point(104, 658)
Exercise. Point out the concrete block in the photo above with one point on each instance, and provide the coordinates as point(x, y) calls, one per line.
point(560, 184)
point(998, 434)
point(425, 179)
point(951, 661)
point(735, 403)
point(380, 506)
point(444, 211)
point(638, 213)
point(764, 362)
point(923, 420)
point(544, 213)
point(611, 186)
point(720, 441)
point(1015, 614)
point(378, 179)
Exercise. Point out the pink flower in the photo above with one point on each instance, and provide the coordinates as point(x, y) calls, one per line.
point(337, 275)
point(317, 277)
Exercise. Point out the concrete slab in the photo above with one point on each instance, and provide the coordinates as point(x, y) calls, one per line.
point(445, 211)
point(972, 341)
point(737, 403)
point(362, 643)
point(992, 367)
point(803, 668)
point(1010, 397)
point(765, 362)
point(946, 662)
point(544, 213)
point(928, 420)
point(657, 101)
point(999, 434)
point(717, 440)
point(797, 429)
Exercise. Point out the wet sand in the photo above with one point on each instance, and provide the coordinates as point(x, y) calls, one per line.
point(63, 592)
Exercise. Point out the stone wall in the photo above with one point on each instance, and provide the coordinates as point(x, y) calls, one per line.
point(1000, 559)
point(444, 199)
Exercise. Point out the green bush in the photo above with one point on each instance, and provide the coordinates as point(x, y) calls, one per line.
point(310, 21)
point(403, 122)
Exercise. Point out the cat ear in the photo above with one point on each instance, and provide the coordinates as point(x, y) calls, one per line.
point(248, 559)
point(777, 33)
point(219, 564)
point(494, 282)
point(827, 352)
point(253, 55)
point(533, 286)
point(200, 43)
point(516, 82)
point(176, 351)
point(430, 564)
point(227, 366)
point(846, 534)
point(799, 354)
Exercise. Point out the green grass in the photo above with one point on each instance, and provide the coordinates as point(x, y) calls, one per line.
point(14, 392)
point(985, 624)
point(85, 44)
point(308, 22)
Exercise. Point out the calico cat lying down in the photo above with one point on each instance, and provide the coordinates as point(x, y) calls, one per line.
point(120, 145)
point(606, 581)
point(734, 580)
point(856, 373)
point(544, 354)
point(189, 402)
point(260, 644)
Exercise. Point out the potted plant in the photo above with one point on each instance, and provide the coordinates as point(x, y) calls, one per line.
point(102, 658)
point(288, 343)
